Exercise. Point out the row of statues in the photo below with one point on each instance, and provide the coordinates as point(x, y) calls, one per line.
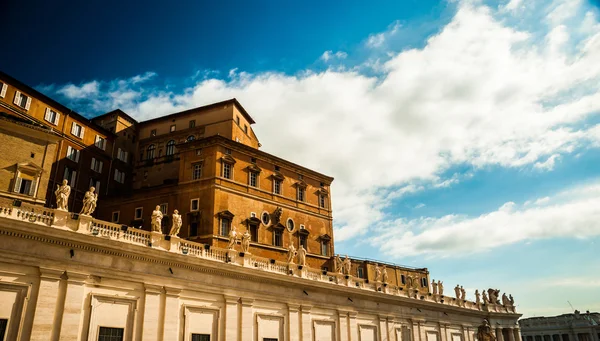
point(437, 288)
point(157, 217)
point(491, 297)
point(63, 191)
point(343, 266)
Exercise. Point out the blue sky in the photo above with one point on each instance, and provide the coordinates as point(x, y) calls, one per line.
point(463, 135)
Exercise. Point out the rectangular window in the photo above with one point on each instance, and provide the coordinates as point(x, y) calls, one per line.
point(122, 155)
point(72, 154)
point(359, 272)
point(193, 228)
point(100, 142)
point(110, 334)
point(22, 100)
point(278, 238)
point(3, 328)
point(138, 213)
point(253, 179)
point(115, 216)
point(403, 279)
point(300, 194)
point(246, 129)
point(96, 184)
point(197, 172)
point(322, 201)
point(24, 186)
point(119, 176)
point(164, 207)
point(77, 130)
point(237, 120)
point(226, 170)
point(303, 241)
point(194, 204)
point(51, 116)
point(3, 88)
point(324, 248)
point(200, 337)
point(172, 128)
point(153, 133)
point(277, 186)
point(96, 165)
point(254, 233)
point(71, 175)
point(224, 227)
point(268, 339)
point(192, 123)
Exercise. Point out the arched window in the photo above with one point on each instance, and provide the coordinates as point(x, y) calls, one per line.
point(190, 138)
point(171, 147)
point(150, 152)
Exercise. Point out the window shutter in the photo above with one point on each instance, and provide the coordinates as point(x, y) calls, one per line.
point(119, 153)
point(17, 184)
point(32, 190)
point(65, 173)
point(17, 97)
point(28, 104)
point(73, 128)
point(97, 187)
point(3, 90)
point(82, 131)
point(126, 157)
point(77, 156)
point(73, 178)
point(93, 166)
point(69, 151)
point(56, 118)
point(116, 174)
point(100, 168)
point(47, 115)
point(97, 140)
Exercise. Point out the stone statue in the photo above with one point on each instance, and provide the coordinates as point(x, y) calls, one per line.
point(156, 219)
point(277, 215)
point(511, 299)
point(434, 287)
point(477, 297)
point(292, 253)
point(485, 298)
point(62, 195)
point(457, 292)
point(377, 273)
point(415, 284)
point(441, 287)
point(463, 293)
point(347, 265)
point(245, 241)
point(497, 296)
point(89, 202)
point(484, 332)
point(491, 293)
point(339, 266)
point(301, 255)
point(384, 274)
point(233, 238)
point(176, 225)
point(505, 299)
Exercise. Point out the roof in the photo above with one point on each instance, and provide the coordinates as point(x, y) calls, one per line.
point(206, 107)
point(116, 112)
point(38, 95)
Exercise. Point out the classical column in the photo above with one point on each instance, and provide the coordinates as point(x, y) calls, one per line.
point(231, 318)
point(344, 326)
point(152, 316)
point(443, 326)
point(517, 333)
point(45, 308)
point(171, 319)
point(353, 326)
point(466, 333)
point(294, 322)
point(383, 331)
point(70, 327)
point(511, 334)
point(306, 323)
point(247, 321)
point(499, 336)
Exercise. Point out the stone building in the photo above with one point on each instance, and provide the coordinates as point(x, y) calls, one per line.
point(567, 327)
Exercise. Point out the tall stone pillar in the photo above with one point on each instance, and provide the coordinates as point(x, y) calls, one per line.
point(416, 330)
point(499, 336)
point(152, 317)
point(353, 326)
point(247, 322)
point(231, 318)
point(71, 325)
point(517, 333)
point(511, 334)
point(294, 322)
point(306, 323)
point(383, 330)
point(344, 326)
point(171, 319)
point(45, 309)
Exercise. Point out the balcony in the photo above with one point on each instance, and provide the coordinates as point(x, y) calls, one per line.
point(157, 160)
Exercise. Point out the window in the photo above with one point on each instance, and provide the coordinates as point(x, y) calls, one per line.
point(72, 154)
point(150, 152)
point(122, 155)
point(70, 175)
point(153, 133)
point(171, 147)
point(190, 138)
point(96, 184)
point(324, 248)
point(268, 339)
point(119, 176)
point(115, 216)
point(77, 130)
point(277, 169)
point(100, 142)
point(192, 123)
point(138, 213)
point(52, 116)
point(322, 201)
point(3, 322)
point(277, 186)
point(164, 207)
point(197, 171)
point(300, 177)
point(300, 194)
point(403, 279)
point(200, 337)
point(172, 128)
point(194, 204)
point(254, 233)
point(96, 165)
point(110, 334)
point(265, 218)
point(3, 88)
point(290, 224)
point(303, 241)
point(424, 282)
point(22, 100)
point(194, 228)
point(246, 129)
point(278, 238)
point(224, 227)
point(359, 272)
point(227, 151)
point(253, 179)
point(226, 170)
point(24, 186)
point(237, 120)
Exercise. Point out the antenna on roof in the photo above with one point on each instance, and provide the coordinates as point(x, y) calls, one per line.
point(573, 309)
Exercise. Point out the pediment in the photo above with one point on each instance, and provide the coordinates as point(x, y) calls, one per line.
point(29, 167)
point(254, 168)
point(226, 214)
point(227, 159)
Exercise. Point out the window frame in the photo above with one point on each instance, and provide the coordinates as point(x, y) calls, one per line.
point(322, 201)
point(277, 233)
point(197, 170)
point(3, 88)
point(112, 338)
point(324, 248)
point(197, 201)
point(135, 211)
point(224, 233)
point(253, 177)
point(227, 169)
point(79, 133)
point(300, 194)
point(277, 187)
point(262, 220)
point(166, 206)
point(152, 132)
point(52, 120)
point(192, 124)
point(19, 97)
point(302, 238)
point(112, 216)
point(170, 148)
point(287, 224)
point(150, 151)
point(173, 128)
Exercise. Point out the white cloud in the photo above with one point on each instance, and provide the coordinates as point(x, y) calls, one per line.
point(329, 55)
point(82, 91)
point(479, 93)
point(377, 40)
point(570, 214)
point(420, 205)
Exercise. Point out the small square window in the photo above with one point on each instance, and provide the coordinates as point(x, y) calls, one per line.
point(200, 337)
point(115, 216)
point(172, 128)
point(253, 179)
point(277, 168)
point(253, 160)
point(138, 212)
point(226, 170)
point(110, 334)
point(300, 194)
point(300, 177)
point(164, 207)
point(227, 151)
point(197, 171)
point(192, 123)
point(194, 204)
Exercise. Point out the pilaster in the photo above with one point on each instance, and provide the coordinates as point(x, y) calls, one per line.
point(344, 328)
point(383, 329)
point(247, 321)
point(71, 325)
point(171, 319)
point(353, 326)
point(231, 318)
point(294, 322)
point(511, 334)
point(45, 309)
point(150, 330)
point(306, 324)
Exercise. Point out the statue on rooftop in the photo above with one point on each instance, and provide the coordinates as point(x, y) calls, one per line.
point(511, 299)
point(176, 226)
point(62, 195)
point(156, 219)
point(384, 274)
point(485, 298)
point(246, 241)
point(441, 287)
point(457, 292)
point(434, 287)
point(377, 273)
point(89, 202)
point(339, 265)
point(477, 297)
point(233, 238)
point(301, 255)
point(291, 254)
point(463, 293)
point(347, 265)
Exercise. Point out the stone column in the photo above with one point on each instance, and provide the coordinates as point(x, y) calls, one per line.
point(171, 319)
point(231, 318)
point(383, 332)
point(294, 322)
point(353, 326)
point(247, 321)
point(499, 336)
point(343, 325)
point(443, 331)
point(152, 320)
point(306, 323)
point(416, 329)
point(45, 308)
point(70, 328)
point(511, 334)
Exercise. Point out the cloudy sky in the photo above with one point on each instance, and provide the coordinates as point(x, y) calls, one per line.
point(463, 135)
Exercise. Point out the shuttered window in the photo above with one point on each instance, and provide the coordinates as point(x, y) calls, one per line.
point(51, 116)
point(22, 100)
